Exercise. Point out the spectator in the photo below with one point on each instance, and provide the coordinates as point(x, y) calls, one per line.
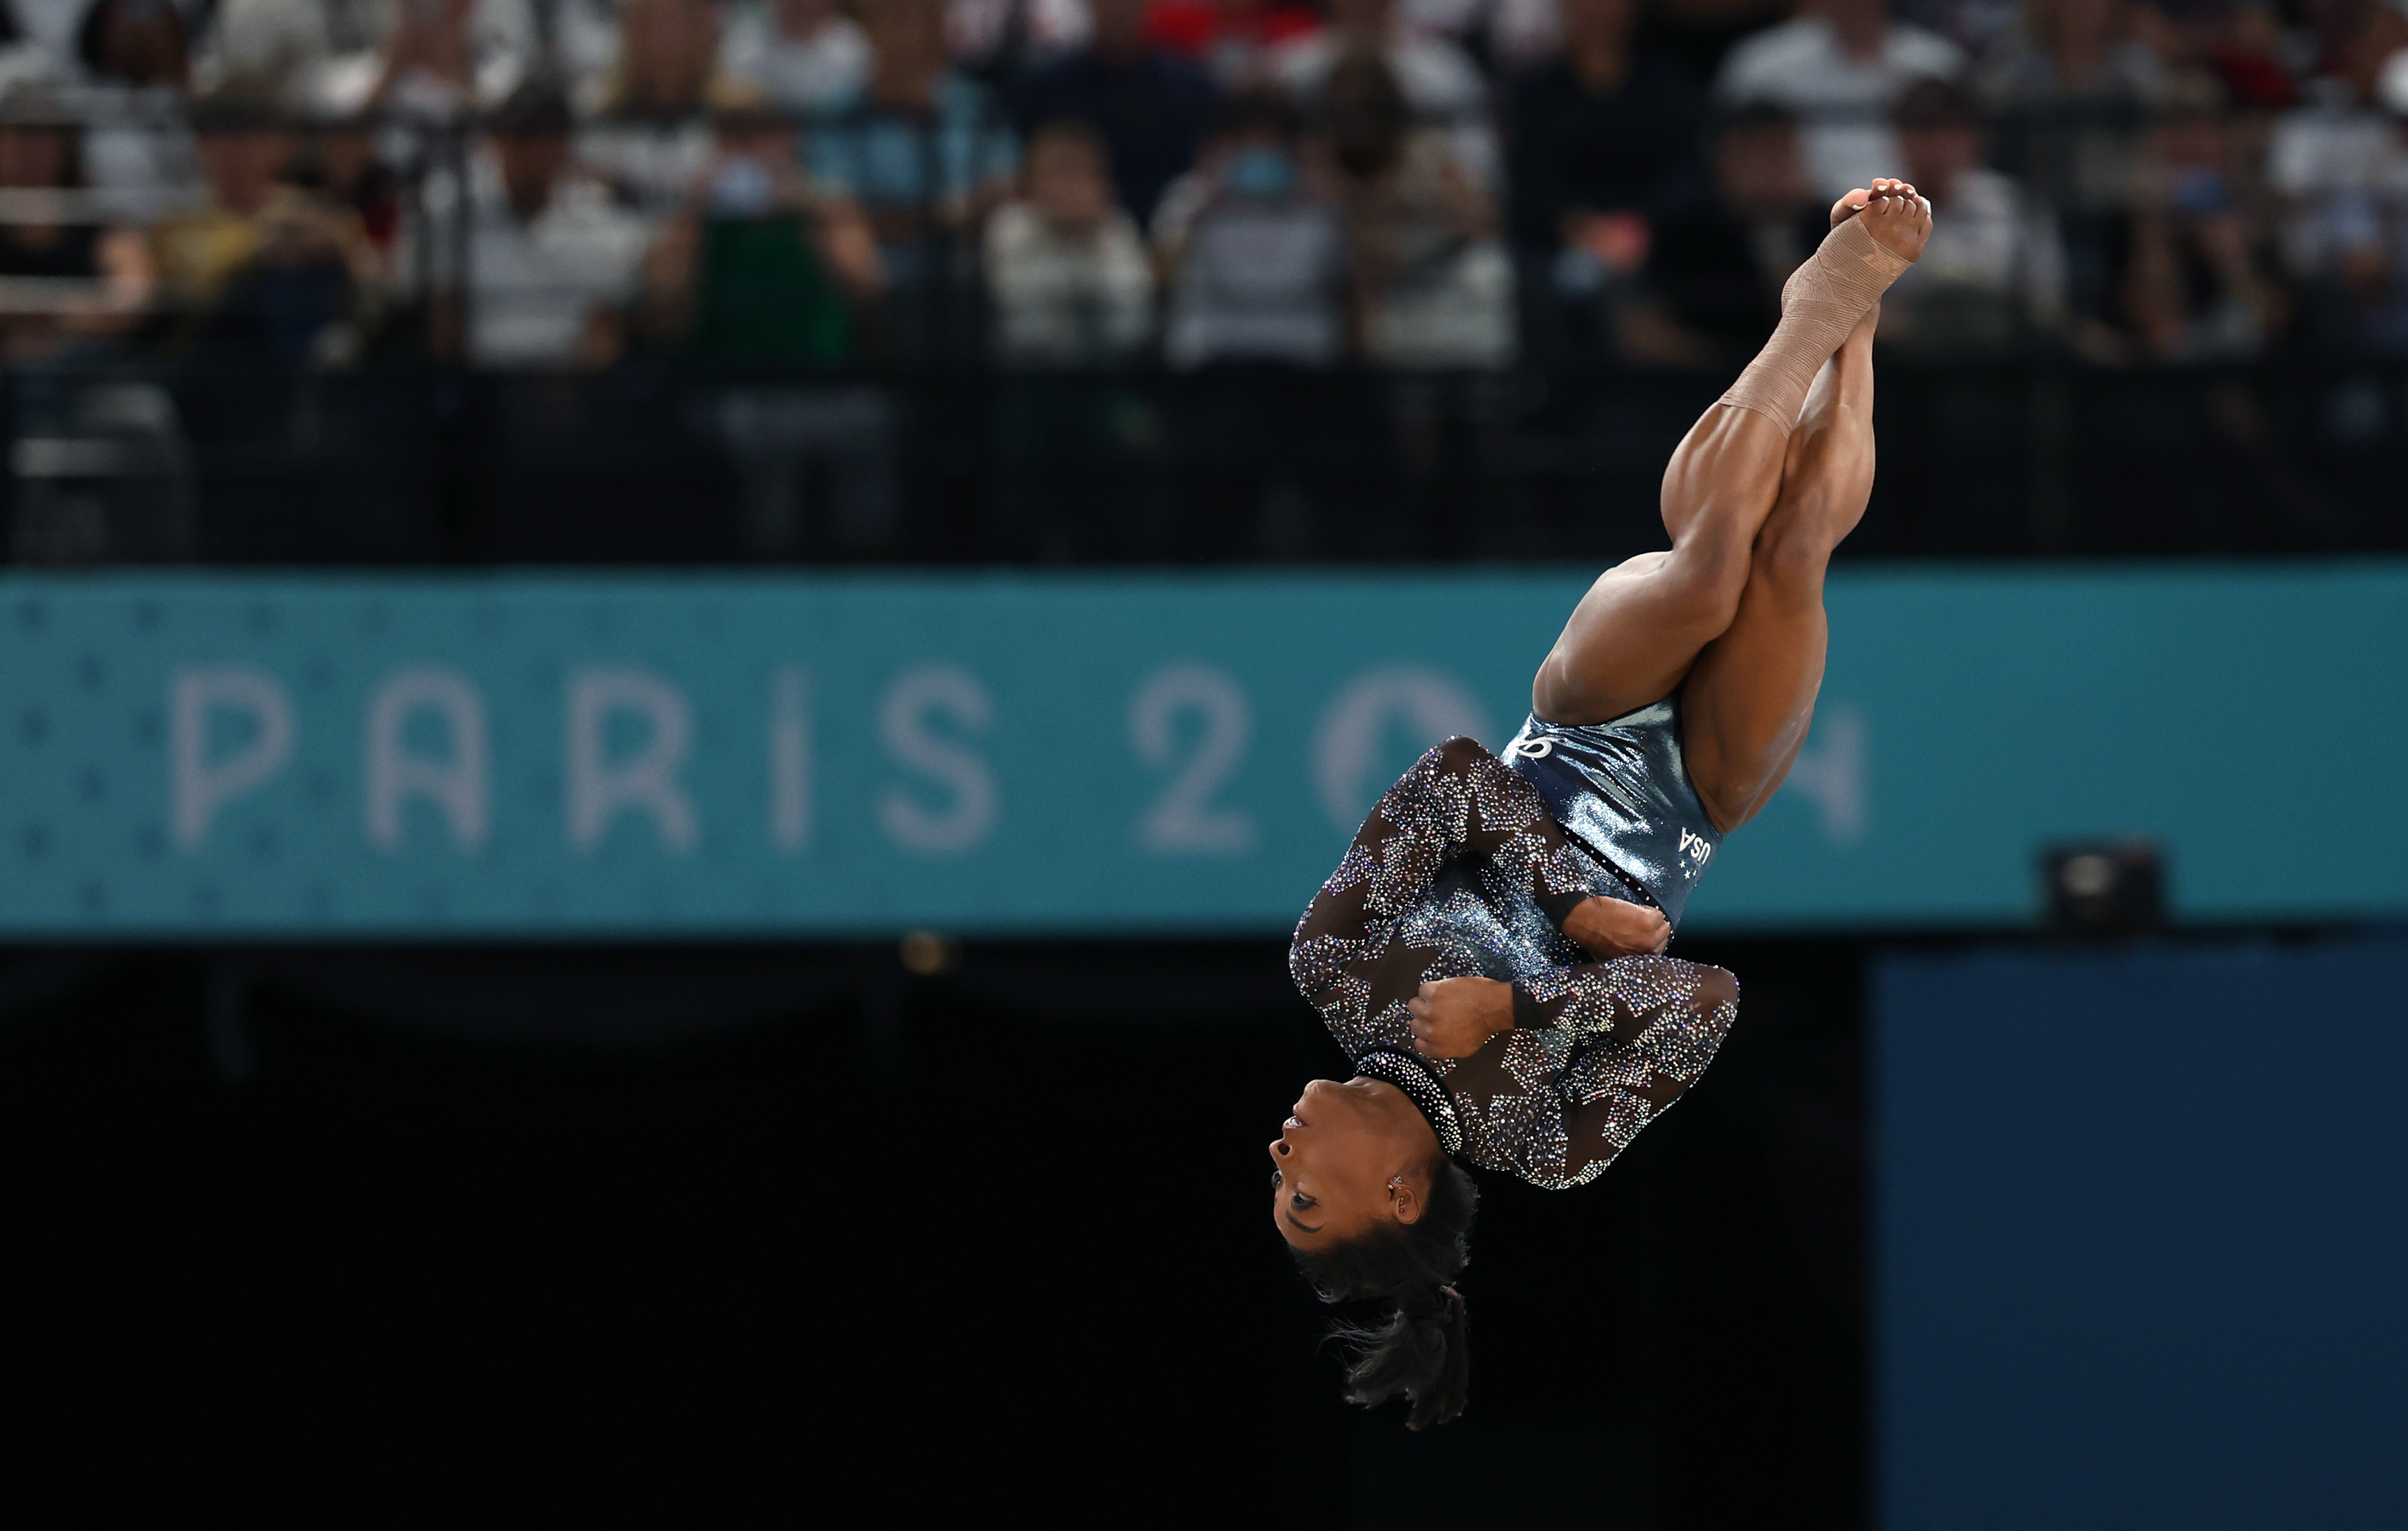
point(443, 57)
point(764, 266)
point(1440, 83)
point(1069, 276)
point(1231, 40)
point(261, 272)
point(1431, 282)
point(807, 56)
point(135, 43)
point(1608, 128)
point(2074, 85)
point(1002, 40)
point(64, 278)
point(926, 152)
point(137, 151)
point(1839, 67)
point(651, 137)
point(1993, 274)
point(553, 264)
point(1151, 109)
point(1509, 35)
point(2348, 243)
point(2340, 142)
point(342, 166)
point(1711, 288)
point(1257, 254)
point(2200, 283)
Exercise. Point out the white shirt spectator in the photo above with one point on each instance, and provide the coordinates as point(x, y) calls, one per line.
point(824, 72)
point(1841, 102)
point(323, 52)
point(974, 29)
point(534, 286)
point(1439, 80)
point(1258, 278)
point(1065, 301)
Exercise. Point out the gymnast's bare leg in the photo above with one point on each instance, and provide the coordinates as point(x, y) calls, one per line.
point(1732, 615)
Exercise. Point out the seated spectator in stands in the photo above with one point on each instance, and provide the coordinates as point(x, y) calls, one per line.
point(651, 137)
point(926, 152)
point(137, 150)
point(764, 266)
point(135, 43)
point(340, 164)
point(1070, 277)
point(553, 262)
point(2200, 281)
point(444, 57)
point(1256, 254)
point(64, 279)
point(1710, 288)
point(1440, 83)
point(1151, 109)
point(1840, 68)
point(1508, 37)
point(262, 271)
point(2342, 141)
point(1003, 39)
point(1231, 40)
point(1993, 275)
point(1607, 128)
point(807, 57)
point(2345, 239)
point(2073, 84)
point(1430, 280)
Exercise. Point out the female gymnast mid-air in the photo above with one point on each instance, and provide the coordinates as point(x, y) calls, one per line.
point(1488, 952)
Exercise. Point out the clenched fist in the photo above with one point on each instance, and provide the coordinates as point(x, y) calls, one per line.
point(1611, 927)
point(1453, 1017)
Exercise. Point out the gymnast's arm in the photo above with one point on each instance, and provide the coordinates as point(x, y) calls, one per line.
point(1456, 798)
point(1658, 1023)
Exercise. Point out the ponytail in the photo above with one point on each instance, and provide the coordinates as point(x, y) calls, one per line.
point(1422, 1349)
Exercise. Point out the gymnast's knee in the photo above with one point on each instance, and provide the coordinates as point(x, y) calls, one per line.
point(1706, 575)
point(1792, 552)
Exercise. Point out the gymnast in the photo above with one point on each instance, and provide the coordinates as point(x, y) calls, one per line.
point(1489, 952)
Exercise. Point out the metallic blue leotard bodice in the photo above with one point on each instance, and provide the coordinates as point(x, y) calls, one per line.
point(1622, 789)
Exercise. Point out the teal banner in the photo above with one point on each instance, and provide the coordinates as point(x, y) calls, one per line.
point(207, 755)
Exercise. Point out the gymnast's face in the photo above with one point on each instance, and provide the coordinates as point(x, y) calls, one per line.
point(1350, 1157)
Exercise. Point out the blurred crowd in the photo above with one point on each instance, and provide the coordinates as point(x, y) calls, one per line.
point(1085, 184)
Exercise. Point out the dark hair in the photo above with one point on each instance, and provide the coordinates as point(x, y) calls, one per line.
point(536, 110)
point(1754, 117)
point(1423, 1349)
point(1934, 103)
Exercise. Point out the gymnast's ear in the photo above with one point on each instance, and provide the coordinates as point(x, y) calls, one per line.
point(1405, 1198)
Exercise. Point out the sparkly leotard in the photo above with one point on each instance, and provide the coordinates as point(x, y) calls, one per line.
point(1461, 871)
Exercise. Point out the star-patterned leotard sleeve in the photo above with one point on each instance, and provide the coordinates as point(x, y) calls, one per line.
point(1597, 1050)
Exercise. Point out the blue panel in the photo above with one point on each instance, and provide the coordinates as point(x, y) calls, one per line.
point(2141, 1239)
point(532, 755)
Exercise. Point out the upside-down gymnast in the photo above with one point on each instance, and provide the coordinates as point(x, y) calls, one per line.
point(1489, 952)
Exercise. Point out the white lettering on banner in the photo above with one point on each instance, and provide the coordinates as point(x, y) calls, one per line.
point(1182, 821)
point(455, 784)
point(916, 697)
point(600, 788)
point(199, 786)
point(1432, 704)
point(790, 758)
point(1832, 775)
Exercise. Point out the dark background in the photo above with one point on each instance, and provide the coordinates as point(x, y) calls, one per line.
point(352, 1237)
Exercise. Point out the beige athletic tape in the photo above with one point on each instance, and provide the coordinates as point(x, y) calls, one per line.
point(1820, 304)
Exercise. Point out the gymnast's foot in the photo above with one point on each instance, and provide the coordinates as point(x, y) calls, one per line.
point(1893, 212)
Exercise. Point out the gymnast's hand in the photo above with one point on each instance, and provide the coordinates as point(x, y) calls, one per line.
point(1455, 1017)
point(1611, 927)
